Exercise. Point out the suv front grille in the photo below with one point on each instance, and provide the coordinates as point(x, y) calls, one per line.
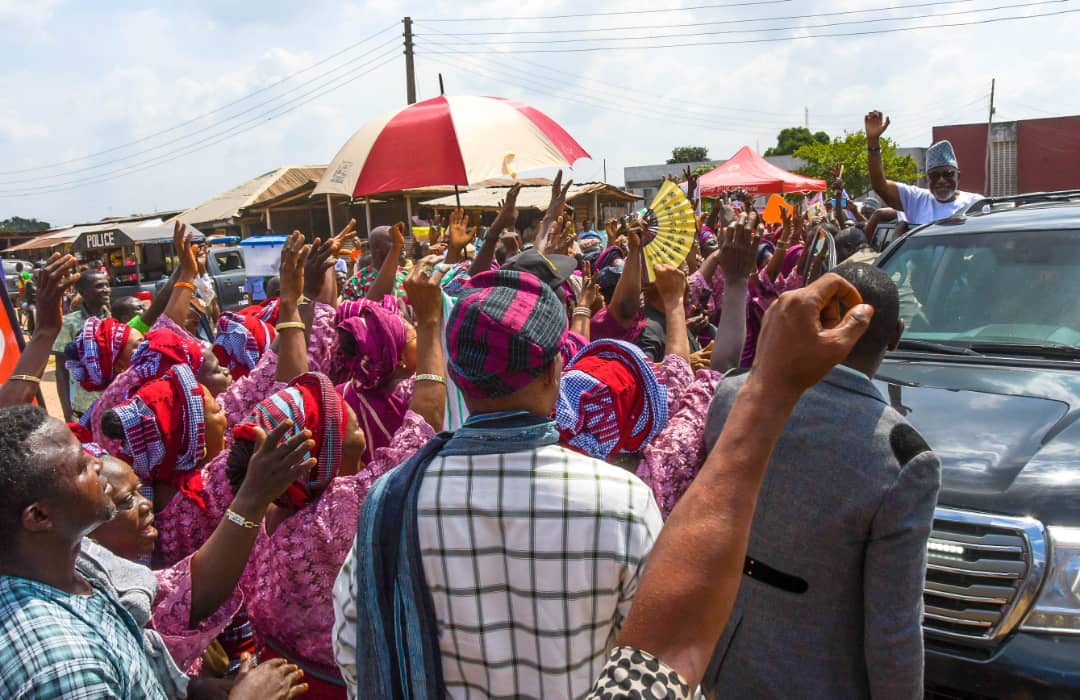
point(982, 574)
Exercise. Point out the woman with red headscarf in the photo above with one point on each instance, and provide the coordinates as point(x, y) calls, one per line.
point(102, 351)
point(302, 543)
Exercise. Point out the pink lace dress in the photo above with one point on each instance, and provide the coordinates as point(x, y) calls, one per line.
point(673, 458)
point(171, 615)
point(289, 580)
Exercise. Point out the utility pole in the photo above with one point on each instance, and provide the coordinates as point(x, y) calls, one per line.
point(989, 181)
point(605, 170)
point(806, 117)
point(410, 72)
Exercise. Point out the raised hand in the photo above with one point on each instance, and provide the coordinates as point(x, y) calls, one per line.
point(397, 236)
point(875, 124)
point(562, 236)
point(738, 250)
point(459, 232)
point(670, 284)
point(294, 257)
point(702, 359)
point(611, 227)
point(691, 184)
point(424, 287)
point(589, 296)
point(276, 463)
point(633, 236)
point(507, 216)
point(813, 320)
point(185, 252)
point(52, 281)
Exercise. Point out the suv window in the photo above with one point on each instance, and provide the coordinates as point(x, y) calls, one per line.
point(1010, 288)
point(229, 260)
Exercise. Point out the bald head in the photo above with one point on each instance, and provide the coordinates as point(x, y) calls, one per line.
point(380, 242)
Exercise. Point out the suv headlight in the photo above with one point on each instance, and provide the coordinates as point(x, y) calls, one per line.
point(1058, 607)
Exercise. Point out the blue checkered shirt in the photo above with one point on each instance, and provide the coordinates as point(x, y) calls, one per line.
point(62, 645)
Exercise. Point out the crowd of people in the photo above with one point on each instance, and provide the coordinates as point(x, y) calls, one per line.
point(496, 466)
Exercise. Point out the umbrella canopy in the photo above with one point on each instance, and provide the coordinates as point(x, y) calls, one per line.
point(447, 140)
point(748, 170)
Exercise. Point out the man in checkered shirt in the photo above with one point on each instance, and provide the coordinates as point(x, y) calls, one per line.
point(531, 553)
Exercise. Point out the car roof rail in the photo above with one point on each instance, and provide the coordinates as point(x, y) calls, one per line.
point(988, 205)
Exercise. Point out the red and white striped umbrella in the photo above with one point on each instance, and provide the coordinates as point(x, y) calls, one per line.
point(448, 140)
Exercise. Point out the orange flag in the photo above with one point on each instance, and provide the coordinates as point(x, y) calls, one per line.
point(771, 215)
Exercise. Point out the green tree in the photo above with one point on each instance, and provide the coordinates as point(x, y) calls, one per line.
point(793, 138)
point(17, 224)
point(688, 154)
point(850, 151)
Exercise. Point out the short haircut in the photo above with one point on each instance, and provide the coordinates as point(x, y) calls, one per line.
point(24, 479)
point(18, 267)
point(123, 310)
point(87, 279)
point(879, 291)
point(848, 242)
point(273, 287)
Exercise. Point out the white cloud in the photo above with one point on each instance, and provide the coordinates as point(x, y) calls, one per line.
point(150, 69)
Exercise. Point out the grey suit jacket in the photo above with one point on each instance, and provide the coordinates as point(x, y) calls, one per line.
point(843, 516)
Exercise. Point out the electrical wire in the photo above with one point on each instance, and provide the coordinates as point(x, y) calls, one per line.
point(199, 117)
point(480, 48)
point(235, 131)
point(657, 103)
point(742, 20)
point(712, 109)
point(722, 5)
point(202, 132)
point(797, 27)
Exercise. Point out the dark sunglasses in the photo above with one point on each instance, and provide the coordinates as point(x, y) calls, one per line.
point(942, 175)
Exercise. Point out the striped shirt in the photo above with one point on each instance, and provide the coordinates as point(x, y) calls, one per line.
point(532, 560)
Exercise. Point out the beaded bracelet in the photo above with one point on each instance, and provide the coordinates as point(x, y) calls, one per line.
point(431, 378)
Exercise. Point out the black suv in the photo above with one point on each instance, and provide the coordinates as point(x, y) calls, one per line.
point(989, 372)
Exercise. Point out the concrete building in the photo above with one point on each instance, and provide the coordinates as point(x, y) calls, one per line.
point(1030, 155)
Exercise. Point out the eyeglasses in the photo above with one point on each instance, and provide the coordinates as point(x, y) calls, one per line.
point(942, 175)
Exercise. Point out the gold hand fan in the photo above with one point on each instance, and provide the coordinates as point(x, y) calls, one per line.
point(670, 228)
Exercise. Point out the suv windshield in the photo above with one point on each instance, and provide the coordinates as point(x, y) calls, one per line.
point(991, 292)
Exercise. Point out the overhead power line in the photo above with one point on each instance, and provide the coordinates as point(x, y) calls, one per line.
point(238, 129)
point(482, 48)
point(212, 112)
point(725, 22)
point(202, 132)
point(796, 27)
point(711, 6)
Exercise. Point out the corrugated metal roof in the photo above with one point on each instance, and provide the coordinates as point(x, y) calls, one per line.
point(47, 239)
point(228, 205)
point(531, 197)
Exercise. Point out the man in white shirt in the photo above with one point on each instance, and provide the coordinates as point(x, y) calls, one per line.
point(921, 206)
point(529, 553)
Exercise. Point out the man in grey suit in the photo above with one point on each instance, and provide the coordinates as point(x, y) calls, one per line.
point(830, 604)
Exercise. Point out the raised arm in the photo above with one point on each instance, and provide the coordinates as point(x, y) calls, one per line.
point(626, 300)
point(52, 281)
point(291, 329)
point(587, 301)
point(459, 235)
point(876, 124)
point(217, 565)
point(183, 288)
point(671, 284)
point(506, 219)
point(554, 210)
point(679, 612)
point(738, 260)
point(425, 294)
point(384, 280)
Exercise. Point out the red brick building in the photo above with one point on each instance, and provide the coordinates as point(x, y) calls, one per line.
point(1030, 155)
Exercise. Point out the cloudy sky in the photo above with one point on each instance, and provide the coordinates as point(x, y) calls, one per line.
point(111, 107)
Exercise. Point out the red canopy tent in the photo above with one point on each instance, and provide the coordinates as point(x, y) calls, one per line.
point(756, 175)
